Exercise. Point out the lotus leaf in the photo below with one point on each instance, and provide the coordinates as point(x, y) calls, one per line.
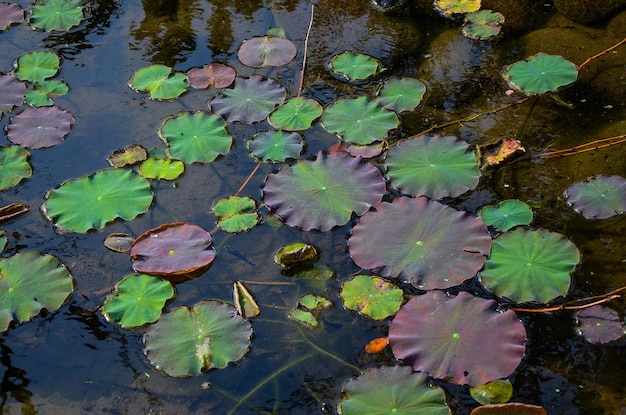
point(10, 13)
point(355, 66)
point(214, 75)
point(391, 390)
point(433, 166)
point(309, 309)
point(250, 100)
point(323, 193)
point(314, 302)
point(506, 215)
point(187, 340)
point(401, 94)
point(59, 15)
point(161, 169)
point(172, 249)
point(428, 243)
point(40, 127)
point(304, 317)
point(530, 265)
point(482, 24)
point(599, 324)
point(36, 66)
point(244, 301)
point(497, 391)
point(359, 120)
point(236, 213)
point(159, 81)
point(295, 114)
point(3, 240)
point(11, 93)
point(295, 255)
point(541, 73)
point(372, 296)
point(91, 202)
point(266, 51)
point(464, 339)
point(598, 197)
point(511, 408)
point(449, 7)
point(30, 282)
point(138, 299)
point(276, 146)
point(119, 242)
point(130, 155)
point(195, 136)
point(14, 166)
point(43, 91)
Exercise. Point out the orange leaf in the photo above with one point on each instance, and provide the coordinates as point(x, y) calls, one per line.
point(377, 345)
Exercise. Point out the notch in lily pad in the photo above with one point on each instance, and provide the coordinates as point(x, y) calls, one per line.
point(401, 94)
point(372, 296)
point(353, 66)
point(540, 73)
point(159, 81)
point(308, 310)
point(599, 324)
point(506, 214)
point(236, 213)
point(261, 51)
point(37, 66)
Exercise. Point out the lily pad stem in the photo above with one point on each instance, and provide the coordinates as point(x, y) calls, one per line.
point(574, 304)
point(601, 53)
point(306, 47)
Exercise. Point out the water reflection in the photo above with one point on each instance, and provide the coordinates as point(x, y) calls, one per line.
point(14, 383)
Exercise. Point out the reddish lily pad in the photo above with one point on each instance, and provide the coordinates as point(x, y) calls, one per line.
point(10, 13)
point(266, 51)
point(214, 75)
point(172, 249)
point(599, 197)
point(11, 93)
point(511, 408)
point(130, 155)
point(599, 324)
point(40, 127)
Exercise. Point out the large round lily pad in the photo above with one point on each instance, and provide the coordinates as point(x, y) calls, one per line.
point(372, 296)
point(598, 197)
point(295, 114)
point(323, 193)
point(506, 214)
point(401, 94)
point(57, 15)
point(541, 73)
point(425, 242)
point(36, 66)
point(187, 340)
point(262, 51)
point(40, 127)
point(159, 81)
point(599, 324)
point(15, 166)
point(464, 339)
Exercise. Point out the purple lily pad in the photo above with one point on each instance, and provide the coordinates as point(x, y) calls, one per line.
point(214, 75)
point(40, 127)
point(10, 13)
point(464, 339)
point(266, 51)
point(599, 324)
point(598, 197)
point(11, 92)
point(425, 242)
point(172, 249)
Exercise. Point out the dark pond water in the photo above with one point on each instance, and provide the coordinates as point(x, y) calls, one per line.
point(74, 362)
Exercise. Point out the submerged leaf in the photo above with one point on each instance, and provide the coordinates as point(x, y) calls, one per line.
point(295, 255)
point(266, 51)
point(131, 154)
point(511, 408)
point(482, 24)
point(449, 7)
point(40, 127)
point(119, 242)
point(598, 197)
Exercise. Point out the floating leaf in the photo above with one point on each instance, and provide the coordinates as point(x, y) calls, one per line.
point(355, 66)
point(427, 243)
point(130, 155)
point(359, 120)
point(433, 166)
point(464, 339)
point(236, 213)
point(187, 340)
point(295, 255)
point(138, 299)
point(598, 197)
point(195, 136)
point(526, 265)
point(30, 282)
point(172, 249)
point(482, 24)
point(12, 211)
point(314, 302)
point(15, 166)
point(505, 149)
point(36, 66)
point(214, 75)
point(91, 202)
point(494, 392)
point(372, 296)
point(390, 390)
point(275, 146)
point(159, 81)
point(309, 309)
point(161, 169)
point(119, 242)
point(40, 127)
point(59, 15)
point(295, 114)
point(10, 13)
point(511, 408)
point(541, 73)
point(599, 324)
point(266, 51)
point(323, 193)
point(244, 302)
point(449, 7)
point(43, 91)
point(401, 94)
point(11, 92)
point(506, 215)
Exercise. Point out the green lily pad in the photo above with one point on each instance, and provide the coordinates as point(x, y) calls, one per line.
point(304, 317)
point(433, 166)
point(372, 296)
point(262, 51)
point(401, 94)
point(526, 265)
point(314, 302)
point(187, 340)
point(159, 81)
point(598, 197)
point(195, 136)
point(359, 120)
point(295, 114)
point(355, 66)
point(236, 213)
point(214, 75)
point(450, 7)
point(297, 254)
point(541, 73)
point(482, 24)
point(14, 166)
point(59, 15)
point(494, 392)
point(36, 66)
point(391, 390)
point(161, 169)
point(3, 240)
point(91, 202)
point(131, 154)
point(11, 93)
point(506, 215)
point(244, 302)
point(599, 324)
point(42, 93)
point(323, 193)
point(40, 127)
point(308, 310)
point(275, 146)
point(138, 299)
point(119, 242)
point(30, 282)
point(10, 14)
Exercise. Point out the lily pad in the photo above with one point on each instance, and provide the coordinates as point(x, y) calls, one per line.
point(161, 169)
point(599, 324)
point(43, 91)
point(511, 408)
point(138, 299)
point(195, 136)
point(214, 75)
point(59, 15)
point(425, 242)
point(390, 390)
point(236, 213)
point(372, 296)
point(15, 166)
point(275, 146)
point(130, 155)
point(358, 120)
point(172, 249)
point(295, 114)
point(244, 302)
point(119, 242)
point(251, 99)
point(296, 254)
point(11, 93)
point(266, 51)
point(494, 392)
point(355, 66)
point(30, 282)
point(91, 202)
point(187, 340)
point(304, 317)
point(401, 94)
point(159, 81)
point(541, 73)
point(37, 66)
point(530, 265)
point(40, 127)
point(464, 339)
point(450, 7)
point(507, 214)
point(3, 240)
point(433, 166)
point(323, 193)
point(482, 24)
point(10, 13)
point(598, 197)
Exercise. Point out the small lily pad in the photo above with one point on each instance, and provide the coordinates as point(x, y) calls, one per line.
point(295, 114)
point(304, 317)
point(401, 94)
point(510, 408)
point(130, 155)
point(450, 7)
point(119, 242)
point(244, 302)
point(236, 213)
point(599, 324)
point(10, 13)
point(275, 146)
point(355, 66)
point(161, 168)
point(314, 302)
point(40, 127)
point(541, 73)
point(266, 51)
point(506, 215)
point(598, 197)
point(15, 166)
point(42, 93)
point(372, 296)
point(37, 66)
point(482, 24)
point(11, 93)
point(56, 15)
point(494, 392)
point(214, 75)
point(297, 254)
point(159, 81)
